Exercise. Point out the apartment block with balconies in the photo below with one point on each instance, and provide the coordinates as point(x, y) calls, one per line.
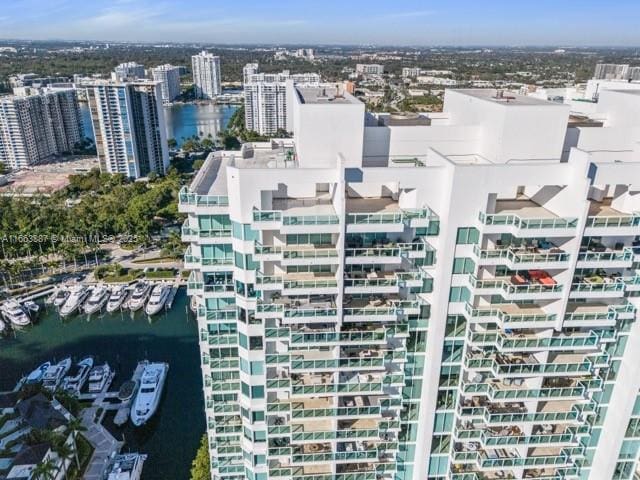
point(454, 299)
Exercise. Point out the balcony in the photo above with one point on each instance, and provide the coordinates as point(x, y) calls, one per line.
point(519, 257)
point(383, 214)
point(522, 342)
point(389, 252)
point(309, 255)
point(597, 286)
point(525, 218)
point(604, 220)
point(600, 256)
point(520, 366)
point(524, 285)
point(190, 202)
point(511, 315)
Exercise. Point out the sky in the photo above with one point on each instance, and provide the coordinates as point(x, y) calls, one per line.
point(380, 22)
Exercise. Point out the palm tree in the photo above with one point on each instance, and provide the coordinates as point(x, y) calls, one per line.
point(45, 470)
point(65, 452)
point(75, 426)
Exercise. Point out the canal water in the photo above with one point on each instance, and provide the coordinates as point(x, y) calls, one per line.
point(183, 120)
point(172, 436)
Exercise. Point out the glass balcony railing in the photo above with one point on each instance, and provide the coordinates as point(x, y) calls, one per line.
point(509, 288)
point(505, 342)
point(597, 287)
point(614, 221)
point(577, 392)
point(310, 220)
point(527, 223)
point(520, 257)
point(624, 255)
point(486, 312)
point(267, 216)
point(300, 364)
point(185, 197)
point(310, 312)
point(312, 253)
point(298, 410)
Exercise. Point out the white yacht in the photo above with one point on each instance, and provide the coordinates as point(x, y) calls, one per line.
point(149, 393)
point(38, 373)
point(97, 299)
point(117, 298)
point(31, 307)
point(158, 298)
point(55, 373)
point(13, 312)
point(77, 377)
point(126, 466)
point(4, 328)
point(99, 377)
point(58, 297)
point(77, 296)
point(139, 296)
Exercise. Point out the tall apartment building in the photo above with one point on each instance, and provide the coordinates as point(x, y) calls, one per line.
point(248, 70)
point(128, 71)
point(169, 78)
point(450, 299)
point(129, 127)
point(36, 127)
point(611, 71)
point(206, 75)
point(265, 98)
point(369, 69)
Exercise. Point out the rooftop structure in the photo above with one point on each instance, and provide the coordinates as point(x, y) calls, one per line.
point(449, 298)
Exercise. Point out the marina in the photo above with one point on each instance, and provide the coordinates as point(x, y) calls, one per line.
point(117, 342)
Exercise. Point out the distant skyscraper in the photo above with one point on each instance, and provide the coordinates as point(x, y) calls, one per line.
point(169, 78)
point(129, 70)
point(129, 127)
point(35, 127)
point(265, 99)
point(206, 75)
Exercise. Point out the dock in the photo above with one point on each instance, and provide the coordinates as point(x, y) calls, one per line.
point(172, 295)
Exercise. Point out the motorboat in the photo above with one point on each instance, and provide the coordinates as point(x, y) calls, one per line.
point(55, 373)
point(97, 299)
point(99, 377)
point(139, 296)
point(147, 399)
point(77, 296)
point(38, 373)
point(31, 306)
point(158, 298)
point(58, 297)
point(117, 298)
point(13, 312)
point(78, 375)
point(127, 390)
point(127, 466)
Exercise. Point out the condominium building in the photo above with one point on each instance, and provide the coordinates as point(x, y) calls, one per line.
point(129, 127)
point(128, 71)
point(248, 70)
point(454, 298)
point(206, 75)
point(369, 69)
point(265, 98)
point(36, 127)
point(611, 71)
point(169, 78)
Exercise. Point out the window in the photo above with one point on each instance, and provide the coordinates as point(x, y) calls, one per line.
point(257, 368)
point(463, 265)
point(257, 392)
point(467, 235)
point(255, 343)
point(459, 294)
point(257, 417)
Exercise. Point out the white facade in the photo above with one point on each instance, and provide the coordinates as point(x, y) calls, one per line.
point(265, 98)
point(611, 71)
point(129, 127)
point(35, 127)
point(450, 299)
point(369, 69)
point(128, 71)
point(169, 78)
point(248, 70)
point(206, 75)
point(410, 72)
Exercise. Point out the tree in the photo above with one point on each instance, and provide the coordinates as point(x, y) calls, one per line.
point(75, 426)
point(66, 453)
point(173, 246)
point(172, 143)
point(45, 470)
point(201, 465)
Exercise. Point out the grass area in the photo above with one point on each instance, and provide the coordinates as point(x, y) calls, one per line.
point(161, 273)
point(155, 260)
point(126, 278)
point(185, 273)
point(116, 274)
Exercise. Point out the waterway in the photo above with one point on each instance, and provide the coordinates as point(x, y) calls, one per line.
point(183, 120)
point(172, 436)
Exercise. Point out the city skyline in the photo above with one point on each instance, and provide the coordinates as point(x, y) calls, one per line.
point(248, 21)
